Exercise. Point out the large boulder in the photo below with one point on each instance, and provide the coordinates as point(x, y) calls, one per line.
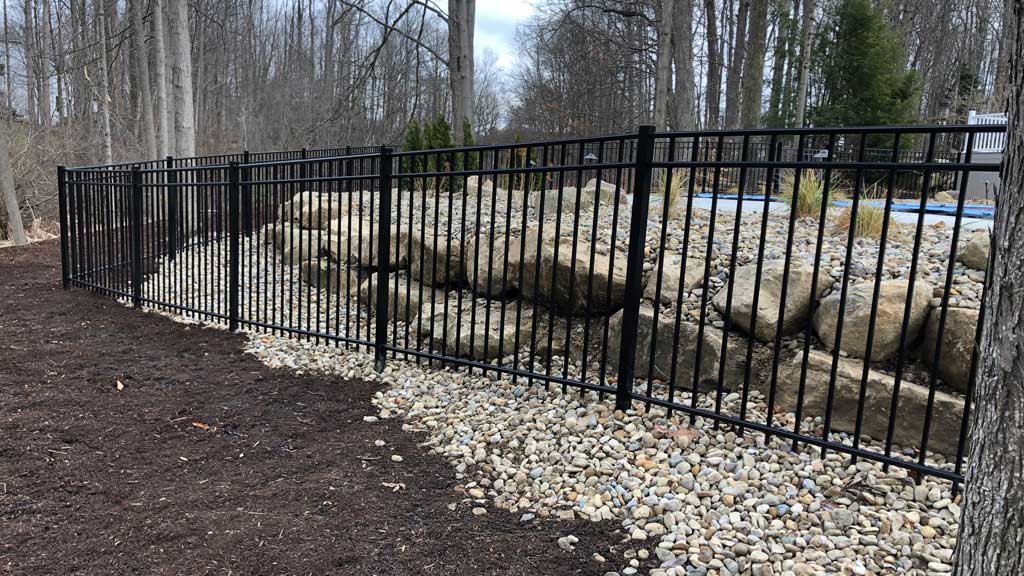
point(294, 244)
point(479, 329)
point(435, 260)
point(355, 243)
point(329, 276)
point(686, 359)
point(488, 270)
point(910, 413)
point(798, 298)
point(473, 185)
point(492, 333)
point(311, 210)
point(892, 300)
point(670, 277)
point(954, 362)
point(565, 281)
point(406, 297)
point(975, 253)
point(607, 192)
point(553, 205)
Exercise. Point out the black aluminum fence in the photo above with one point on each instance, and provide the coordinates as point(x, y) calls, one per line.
point(622, 265)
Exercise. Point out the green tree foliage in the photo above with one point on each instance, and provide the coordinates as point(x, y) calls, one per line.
point(863, 79)
point(413, 142)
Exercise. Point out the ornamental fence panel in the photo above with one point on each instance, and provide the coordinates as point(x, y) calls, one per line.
point(820, 285)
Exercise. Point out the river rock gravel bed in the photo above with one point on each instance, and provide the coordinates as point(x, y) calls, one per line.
point(688, 498)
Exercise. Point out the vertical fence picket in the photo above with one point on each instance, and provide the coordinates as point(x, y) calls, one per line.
point(383, 257)
point(136, 205)
point(62, 201)
point(233, 252)
point(171, 180)
point(635, 266)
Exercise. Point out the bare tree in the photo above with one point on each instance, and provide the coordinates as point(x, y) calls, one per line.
point(806, 29)
point(10, 196)
point(685, 101)
point(461, 19)
point(714, 83)
point(142, 78)
point(160, 67)
point(184, 111)
point(752, 83)
point(103, 92)
point(663, 78)
point(734, 74)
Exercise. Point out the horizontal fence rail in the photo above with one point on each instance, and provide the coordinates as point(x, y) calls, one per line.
point(819, 285)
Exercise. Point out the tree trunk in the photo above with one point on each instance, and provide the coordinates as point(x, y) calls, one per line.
point(44, 34)
point(9, 196)
point(104, 89)
point(142, 78)
point(714, 89)
point(461, 16)
point(682, 49)
point(732, 77)
point(775, 109)
point(163, 116)
point(7, 61)
point(753, 66)
point(28, 56)
point(806, 28)
point(663, 77)
point(992, 523)
point(184, 107)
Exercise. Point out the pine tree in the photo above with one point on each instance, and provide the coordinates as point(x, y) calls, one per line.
point(863, 81)
point(413, 143)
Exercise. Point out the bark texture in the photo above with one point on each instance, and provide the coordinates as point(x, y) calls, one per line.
point(806, 27)
point(663, 78)
point(9, 196)
point(753, 66)
point(684, 102)
point(992, 526)
point(142, 78)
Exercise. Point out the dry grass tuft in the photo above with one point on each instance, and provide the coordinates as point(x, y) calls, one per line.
point(810, 194)
point(870, 214)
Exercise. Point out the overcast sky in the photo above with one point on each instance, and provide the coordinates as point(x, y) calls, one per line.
point(496, 22)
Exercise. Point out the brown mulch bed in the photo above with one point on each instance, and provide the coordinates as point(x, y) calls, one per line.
point(286, 479)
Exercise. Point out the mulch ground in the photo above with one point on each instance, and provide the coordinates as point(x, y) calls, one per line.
point(208, 462)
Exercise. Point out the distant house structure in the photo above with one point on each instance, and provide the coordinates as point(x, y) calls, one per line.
point(986, 149)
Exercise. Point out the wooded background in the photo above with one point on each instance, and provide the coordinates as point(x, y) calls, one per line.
point(91, 81)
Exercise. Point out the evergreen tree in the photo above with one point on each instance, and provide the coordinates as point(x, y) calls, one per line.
point(413, 143)
point(863, 79)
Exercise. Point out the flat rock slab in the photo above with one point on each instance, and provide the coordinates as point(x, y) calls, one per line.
point(910, 414)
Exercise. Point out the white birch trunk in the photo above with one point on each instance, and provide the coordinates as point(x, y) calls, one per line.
point(104, 90)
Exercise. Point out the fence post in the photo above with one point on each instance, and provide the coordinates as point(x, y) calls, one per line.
point(171, 179)
point(234, 193)
point(62, 198)
point(635, 266)
point(247, 202)
point(136, 222)
point(383, 256)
